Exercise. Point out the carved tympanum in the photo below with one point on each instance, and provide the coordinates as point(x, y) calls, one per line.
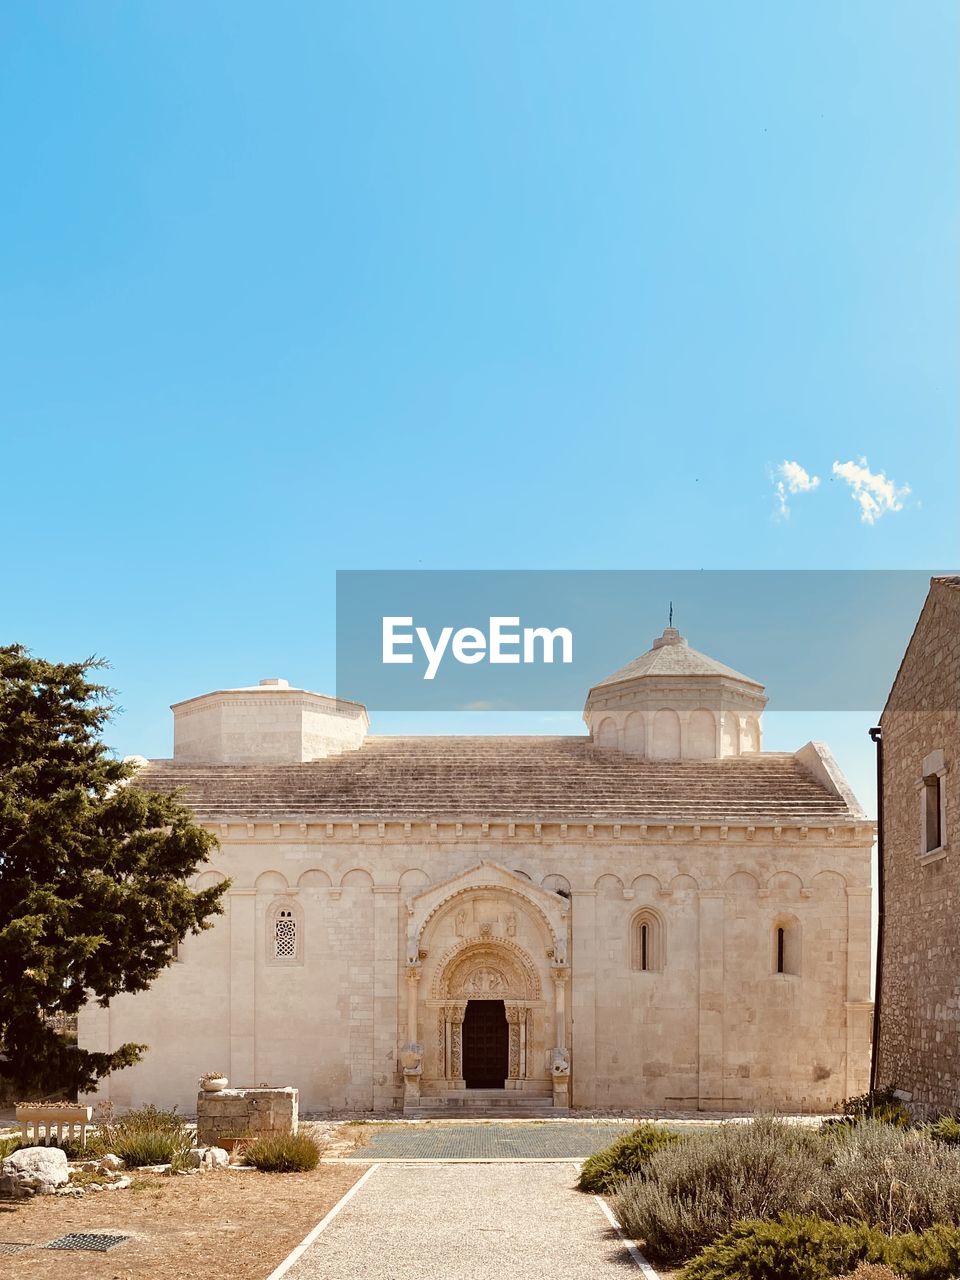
point(484, 981)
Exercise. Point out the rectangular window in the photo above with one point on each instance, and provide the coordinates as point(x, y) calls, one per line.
point(932, 803)
point(933, 832)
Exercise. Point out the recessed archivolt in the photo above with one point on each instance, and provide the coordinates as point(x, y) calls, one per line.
point(535, 909)
point(357, 877)
point(609, 886)
point(741, 882)
point(207, 880)
point(413, 878)
point(270, 882)
point(683, 884)
point(785, 882)
point(503, 957)
point(315, 878)
point(828, 882)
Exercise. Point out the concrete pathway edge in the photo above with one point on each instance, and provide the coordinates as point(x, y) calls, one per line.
point(634, 1252)
point(321, 1226)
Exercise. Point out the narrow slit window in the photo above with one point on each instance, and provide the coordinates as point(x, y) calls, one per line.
point(933, 834)
point(646, 943)
point(785, 947)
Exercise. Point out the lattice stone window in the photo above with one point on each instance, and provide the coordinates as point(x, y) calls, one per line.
point(285, 933)
point(285, 936)
point(646, 942)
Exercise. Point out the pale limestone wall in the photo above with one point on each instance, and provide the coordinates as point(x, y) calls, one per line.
point(919, 1049)
point(716, 1027)
point(267, 723)
point(707, 724)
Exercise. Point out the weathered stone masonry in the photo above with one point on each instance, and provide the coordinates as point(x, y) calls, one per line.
point(919, 1043)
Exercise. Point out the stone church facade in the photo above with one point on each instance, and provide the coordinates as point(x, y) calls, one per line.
point(658, 914)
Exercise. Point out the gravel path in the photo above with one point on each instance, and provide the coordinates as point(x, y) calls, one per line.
point(468, 1222)
point(566, 1139)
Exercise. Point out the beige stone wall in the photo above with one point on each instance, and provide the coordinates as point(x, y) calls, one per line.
point(919, 1049)
point(714, 1027)
point(266, 723)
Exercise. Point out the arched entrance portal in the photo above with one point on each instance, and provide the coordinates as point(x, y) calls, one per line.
point(486, 1044)
point(487, 993)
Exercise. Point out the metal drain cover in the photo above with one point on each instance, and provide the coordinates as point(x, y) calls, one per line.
point(99, 1242)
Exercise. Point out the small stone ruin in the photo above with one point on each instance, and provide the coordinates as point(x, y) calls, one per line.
point(246, 1113)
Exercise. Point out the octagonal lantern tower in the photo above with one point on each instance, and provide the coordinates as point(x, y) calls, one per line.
point(674, 703)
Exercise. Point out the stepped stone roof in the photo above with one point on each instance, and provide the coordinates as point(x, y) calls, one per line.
point(556, 779)
point(672, 656)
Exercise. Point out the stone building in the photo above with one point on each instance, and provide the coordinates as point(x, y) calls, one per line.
point(918, 1048)
point(659, 914)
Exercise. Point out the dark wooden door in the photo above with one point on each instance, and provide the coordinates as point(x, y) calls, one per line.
point(486, 1043)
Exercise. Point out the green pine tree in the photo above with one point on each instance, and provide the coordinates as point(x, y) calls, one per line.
point(93, 873)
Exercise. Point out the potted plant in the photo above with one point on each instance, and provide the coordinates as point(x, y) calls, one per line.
point(213, 1081)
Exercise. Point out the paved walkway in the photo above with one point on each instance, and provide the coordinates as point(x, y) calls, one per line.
point(561, 1139)
point(468, 1222)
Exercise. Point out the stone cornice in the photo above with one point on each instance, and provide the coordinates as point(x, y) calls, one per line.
point(850, 833)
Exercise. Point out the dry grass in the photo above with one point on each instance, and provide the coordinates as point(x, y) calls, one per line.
point(224, 1223)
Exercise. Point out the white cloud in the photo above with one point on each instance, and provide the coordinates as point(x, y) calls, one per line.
point(873, 493)
point(793, 479)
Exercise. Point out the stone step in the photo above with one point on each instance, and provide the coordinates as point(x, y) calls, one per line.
point(485, 1113)
point(486, 1102)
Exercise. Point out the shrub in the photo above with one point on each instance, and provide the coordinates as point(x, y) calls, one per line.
point(932, 1255)
point(881, 1104)
point(689, 1194)
point(74, 1149)
point(812, 1249)
point(899, 1180)
point(283, 1153)
point(627, 1155)
point(147, 1136)
point(793, 1248)
point(946, 1130)
point(9, 1145)
point(872, 1271)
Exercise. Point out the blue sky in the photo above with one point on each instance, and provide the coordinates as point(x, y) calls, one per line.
point(301, 287)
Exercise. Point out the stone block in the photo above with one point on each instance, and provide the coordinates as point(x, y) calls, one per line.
point(233, 1113)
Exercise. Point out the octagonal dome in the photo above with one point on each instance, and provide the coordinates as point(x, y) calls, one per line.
point(675, 703)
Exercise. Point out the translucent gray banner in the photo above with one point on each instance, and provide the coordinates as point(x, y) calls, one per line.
point(514, 640)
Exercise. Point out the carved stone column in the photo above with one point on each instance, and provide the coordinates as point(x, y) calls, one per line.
point(455, 1016)
point(560, 973)
point(560, 1059)
point(411, 1053)
point(516, 1065)
point(413, 982)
